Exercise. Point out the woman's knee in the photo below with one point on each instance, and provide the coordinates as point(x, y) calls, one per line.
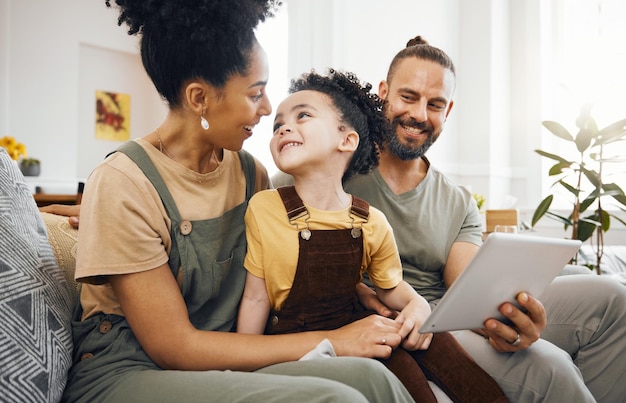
point(378, 383)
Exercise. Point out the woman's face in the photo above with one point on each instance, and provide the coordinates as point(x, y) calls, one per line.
point(242, 103)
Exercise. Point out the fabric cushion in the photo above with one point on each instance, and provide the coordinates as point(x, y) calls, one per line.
point(35, 302)
point(64, 241)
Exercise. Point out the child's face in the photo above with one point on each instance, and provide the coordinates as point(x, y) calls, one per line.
point(307, 134)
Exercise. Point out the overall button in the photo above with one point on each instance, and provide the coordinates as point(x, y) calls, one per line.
point(105, 327)
point(86, 356)
point(274, 320)
point(185, 227)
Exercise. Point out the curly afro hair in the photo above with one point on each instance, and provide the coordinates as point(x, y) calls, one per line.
point(358, 108)
point(184, 40)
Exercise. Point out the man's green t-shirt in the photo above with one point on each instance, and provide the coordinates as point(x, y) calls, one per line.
point(426, 222)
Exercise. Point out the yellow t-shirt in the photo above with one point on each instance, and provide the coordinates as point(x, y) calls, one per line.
point(124, 227)
point(273, 244)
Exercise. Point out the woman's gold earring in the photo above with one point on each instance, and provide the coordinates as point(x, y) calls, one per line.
point(204, 123)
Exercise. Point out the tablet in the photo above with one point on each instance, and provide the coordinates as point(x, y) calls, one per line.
point(504, 266)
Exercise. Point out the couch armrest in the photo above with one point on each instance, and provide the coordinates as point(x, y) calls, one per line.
point(63, 239)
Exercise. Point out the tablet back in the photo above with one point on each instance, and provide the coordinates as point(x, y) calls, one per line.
point(504, 266)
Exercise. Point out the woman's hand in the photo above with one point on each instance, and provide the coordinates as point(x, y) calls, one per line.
point(70, 211)
point(525, 328)
point(373, 337)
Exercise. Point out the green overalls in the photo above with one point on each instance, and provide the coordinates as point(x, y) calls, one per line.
point(210, 253)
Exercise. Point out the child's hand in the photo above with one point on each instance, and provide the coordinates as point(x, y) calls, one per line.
point(369, 299)
point(412, 317)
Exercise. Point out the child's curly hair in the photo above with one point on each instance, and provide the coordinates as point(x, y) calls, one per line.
point(358, 107)
point(184, 40)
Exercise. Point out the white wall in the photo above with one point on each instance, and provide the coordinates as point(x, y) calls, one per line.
point(497, 46)
point(116, 71)
point(362, 36)
point(4, 65)
point(477, 147)
point(45, 101)
point(48, 53)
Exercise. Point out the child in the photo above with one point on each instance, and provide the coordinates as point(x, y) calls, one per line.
point(309, 244)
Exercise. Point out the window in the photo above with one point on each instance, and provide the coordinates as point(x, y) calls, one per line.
point(589, 67)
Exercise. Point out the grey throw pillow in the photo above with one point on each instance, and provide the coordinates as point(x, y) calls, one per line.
point(35, 302)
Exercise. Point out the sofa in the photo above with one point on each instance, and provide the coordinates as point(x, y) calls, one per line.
point(36, 300)
point(38, 293)
point(613, 263)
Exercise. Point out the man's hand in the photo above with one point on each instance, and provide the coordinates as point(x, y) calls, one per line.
point(526, 327)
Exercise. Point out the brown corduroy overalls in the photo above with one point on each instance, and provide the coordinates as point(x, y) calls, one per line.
point(323, 297)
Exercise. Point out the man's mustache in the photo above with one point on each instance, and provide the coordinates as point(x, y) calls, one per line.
point(410, 122)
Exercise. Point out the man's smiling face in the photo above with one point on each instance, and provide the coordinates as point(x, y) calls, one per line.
point(418, 100)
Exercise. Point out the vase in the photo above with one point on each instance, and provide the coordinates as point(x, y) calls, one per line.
point(30, 170)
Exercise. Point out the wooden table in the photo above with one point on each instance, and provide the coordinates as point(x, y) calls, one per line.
point(44, 199)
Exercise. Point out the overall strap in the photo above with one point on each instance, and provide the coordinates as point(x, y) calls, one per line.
point(295, 207)
point(360, 208)
point(139, 156)
point(249, 170)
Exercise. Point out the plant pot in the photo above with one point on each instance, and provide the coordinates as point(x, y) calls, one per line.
point(30, 170)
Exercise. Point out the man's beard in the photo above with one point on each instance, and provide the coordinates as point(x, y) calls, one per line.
point(407, 152)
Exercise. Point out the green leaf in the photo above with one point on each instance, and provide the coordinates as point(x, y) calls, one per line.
point(557, 169)
point(564, 220)
point(584, 119)
point(553, 156)
point(613, 132)
point(558, 130)
point(570, 188)
point(606, 221)
point(590, 124)
point(618, 218)
point(584, 205)
point(585, 229)
point(620, 198)
point(592, 176)
point(612, 187)
point(591, 219)
point(541, 209)
point(583, 139)
point(611, 193)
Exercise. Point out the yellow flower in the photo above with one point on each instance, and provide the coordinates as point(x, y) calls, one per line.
point(14, 149)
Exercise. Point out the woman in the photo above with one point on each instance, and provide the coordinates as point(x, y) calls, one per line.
point(162, 237)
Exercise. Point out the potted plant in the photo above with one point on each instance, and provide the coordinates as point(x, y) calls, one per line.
point(30, 166)
point(17, 152)
point(583, 179)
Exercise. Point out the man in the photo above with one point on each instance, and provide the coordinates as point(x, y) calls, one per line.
point(582, 348)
